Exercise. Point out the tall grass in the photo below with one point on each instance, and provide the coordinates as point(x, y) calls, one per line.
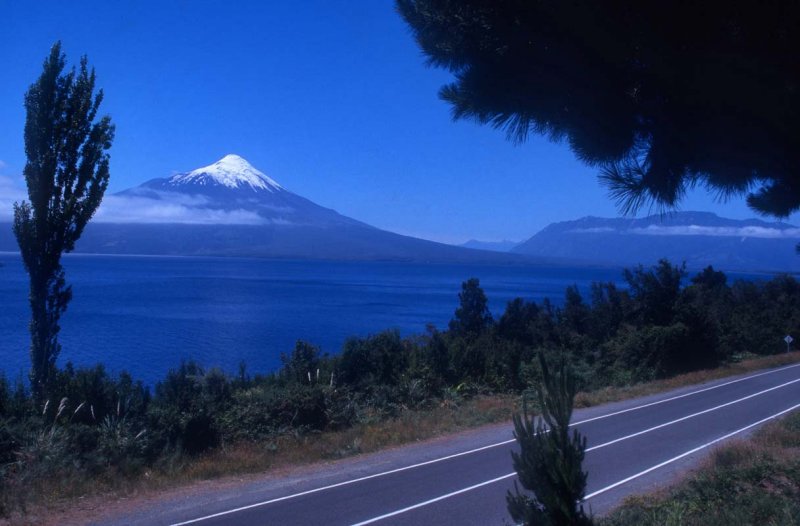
point(26, 497)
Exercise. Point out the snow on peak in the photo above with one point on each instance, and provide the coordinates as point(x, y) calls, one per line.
point(231, 171)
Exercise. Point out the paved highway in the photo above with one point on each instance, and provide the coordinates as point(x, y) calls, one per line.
point(632, 446)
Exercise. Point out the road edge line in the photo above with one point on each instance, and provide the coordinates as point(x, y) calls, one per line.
point(687, 453)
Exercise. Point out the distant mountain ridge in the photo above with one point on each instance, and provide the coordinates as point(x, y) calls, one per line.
point(495, 246)
point(699, 238)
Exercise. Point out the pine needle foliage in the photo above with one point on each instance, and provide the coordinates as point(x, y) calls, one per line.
point(67, 173)
point(549, 462)
point(661, 97)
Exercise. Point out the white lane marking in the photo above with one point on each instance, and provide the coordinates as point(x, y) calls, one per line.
point(682, 455)
point(471, 451)
point(692, 393)
point(593, 494)
point(339, 484)
point(437, 499)
point(687, 417)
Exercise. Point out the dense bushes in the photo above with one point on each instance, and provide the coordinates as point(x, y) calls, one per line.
point(661, 324)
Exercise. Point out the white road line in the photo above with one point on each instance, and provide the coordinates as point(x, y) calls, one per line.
point(339, 484)
point(593, 494)
point(692, 393)
point(463, 453)
point(682, 455)
point(687, 417)
point(437, 499)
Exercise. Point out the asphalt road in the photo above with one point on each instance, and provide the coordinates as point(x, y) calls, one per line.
point(633, 446)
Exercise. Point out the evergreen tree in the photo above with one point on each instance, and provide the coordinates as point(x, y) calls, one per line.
point(517, 321)
point(710, 279)
point(607, 311)
point(655, 292)
point(549, 461)
point(575, 313)
point(472, 317)
point(66, 174)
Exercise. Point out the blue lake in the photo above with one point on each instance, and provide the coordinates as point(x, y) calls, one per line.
point(146, 314)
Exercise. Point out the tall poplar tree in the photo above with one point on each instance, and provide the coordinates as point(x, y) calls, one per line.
point(67, 174)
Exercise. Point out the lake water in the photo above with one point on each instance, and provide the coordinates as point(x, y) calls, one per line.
point(145, 314)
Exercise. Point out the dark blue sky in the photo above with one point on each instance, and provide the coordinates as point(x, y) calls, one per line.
point(331, 99)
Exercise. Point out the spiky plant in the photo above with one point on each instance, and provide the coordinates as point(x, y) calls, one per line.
point(549, 463)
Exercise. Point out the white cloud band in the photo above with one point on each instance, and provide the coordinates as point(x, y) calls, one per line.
point(178, 209)
point(762, 232)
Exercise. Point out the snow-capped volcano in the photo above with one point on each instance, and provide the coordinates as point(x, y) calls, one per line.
point(228, 191)
point(231, 171)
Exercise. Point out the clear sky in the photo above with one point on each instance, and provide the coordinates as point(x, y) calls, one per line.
point(331, 99)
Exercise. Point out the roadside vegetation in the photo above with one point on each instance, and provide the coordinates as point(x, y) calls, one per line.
point(94, 432)
point(754, 481)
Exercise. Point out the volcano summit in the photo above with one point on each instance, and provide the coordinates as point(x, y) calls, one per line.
point(231, 171)
point(236, 189)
